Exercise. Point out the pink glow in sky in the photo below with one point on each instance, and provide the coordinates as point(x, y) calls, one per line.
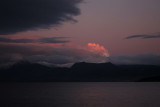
point(104, 25)
point(108, 22)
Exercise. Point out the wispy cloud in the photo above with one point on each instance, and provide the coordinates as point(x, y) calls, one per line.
point(41, 40)
point(54, 40)
point(143, 36)
point(7, 40)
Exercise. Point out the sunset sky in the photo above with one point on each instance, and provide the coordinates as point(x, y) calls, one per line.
point(69, 31)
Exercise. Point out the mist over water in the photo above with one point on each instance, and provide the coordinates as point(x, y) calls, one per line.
point(88, 94)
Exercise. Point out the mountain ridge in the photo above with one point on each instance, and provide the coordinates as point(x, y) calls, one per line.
point(80, 72)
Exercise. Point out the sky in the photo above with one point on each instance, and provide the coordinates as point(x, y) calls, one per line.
point(68, 31)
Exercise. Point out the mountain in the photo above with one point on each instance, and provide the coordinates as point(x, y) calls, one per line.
point(93, 71)
point(93, 66)
point(84, 67)
point(26, 71)
point(150, 79)
point(82, 71)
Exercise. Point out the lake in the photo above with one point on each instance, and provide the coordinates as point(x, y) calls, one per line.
point(80, 94)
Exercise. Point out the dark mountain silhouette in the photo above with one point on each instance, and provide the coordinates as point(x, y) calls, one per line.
point(84, 65)
point(26, 71)
point(93, 71)
point(150, 79)
point(92, 68)
point(33, 72)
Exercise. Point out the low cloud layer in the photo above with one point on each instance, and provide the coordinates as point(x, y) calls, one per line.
point(147, 59)
point(67, 55)
point(41, 40)
point(143, 36)
point(11, 53)
point(23, 15)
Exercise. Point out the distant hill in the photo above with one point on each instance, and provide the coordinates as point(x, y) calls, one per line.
point(90, 72)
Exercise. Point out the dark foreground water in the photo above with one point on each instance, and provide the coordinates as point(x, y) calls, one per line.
point(85, 94)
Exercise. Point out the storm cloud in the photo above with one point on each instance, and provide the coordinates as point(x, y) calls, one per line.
point(143, 36)
point(24, 15)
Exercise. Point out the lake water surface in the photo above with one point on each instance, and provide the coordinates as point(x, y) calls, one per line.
point(80, 94)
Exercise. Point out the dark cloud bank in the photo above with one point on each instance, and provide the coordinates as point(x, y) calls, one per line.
point(23, 15)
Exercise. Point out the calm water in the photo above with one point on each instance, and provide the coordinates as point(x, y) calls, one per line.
point(90, 94)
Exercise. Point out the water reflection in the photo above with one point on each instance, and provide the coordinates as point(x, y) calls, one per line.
point(100, 94)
